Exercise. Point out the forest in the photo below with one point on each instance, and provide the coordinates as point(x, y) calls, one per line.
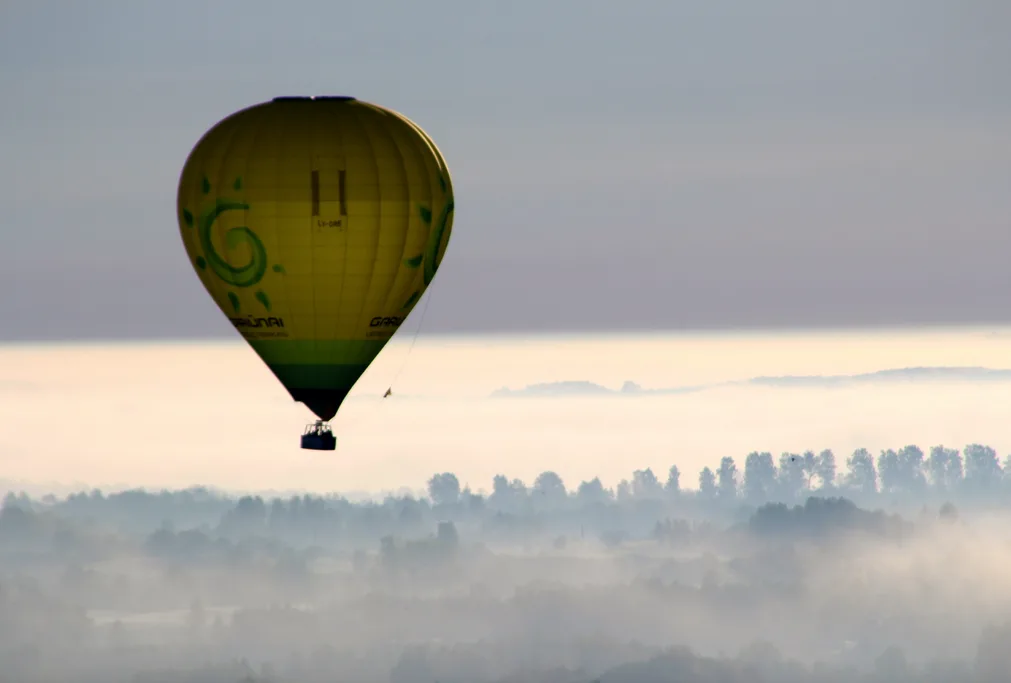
point(879, 568)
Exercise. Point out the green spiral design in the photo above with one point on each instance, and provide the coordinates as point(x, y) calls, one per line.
point(242, 276)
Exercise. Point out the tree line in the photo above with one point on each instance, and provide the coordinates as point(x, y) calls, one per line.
point(901, 480)
point(905, 474)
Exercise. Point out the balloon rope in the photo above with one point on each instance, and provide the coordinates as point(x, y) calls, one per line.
point(374, 411)
point(421, 321)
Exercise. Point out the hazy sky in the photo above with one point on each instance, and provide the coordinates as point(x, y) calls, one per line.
point(617, 165)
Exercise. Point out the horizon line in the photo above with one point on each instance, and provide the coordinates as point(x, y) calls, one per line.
point(601, 333)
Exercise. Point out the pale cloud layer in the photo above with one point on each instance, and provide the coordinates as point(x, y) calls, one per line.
point(211, 413)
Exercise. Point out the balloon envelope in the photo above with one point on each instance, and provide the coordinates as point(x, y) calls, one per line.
point(316, 224)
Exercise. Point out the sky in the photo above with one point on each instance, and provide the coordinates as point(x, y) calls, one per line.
point(617, 166)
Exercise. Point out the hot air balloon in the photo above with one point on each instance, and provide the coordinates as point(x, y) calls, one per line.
point(316, 224)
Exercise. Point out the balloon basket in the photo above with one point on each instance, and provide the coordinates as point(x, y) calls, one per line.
point(318, 437)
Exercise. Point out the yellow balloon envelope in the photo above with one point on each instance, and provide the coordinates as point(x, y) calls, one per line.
point(316, 224)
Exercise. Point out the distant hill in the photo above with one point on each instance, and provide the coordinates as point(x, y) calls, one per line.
point(556, 389)
point(584, 388)
point(948, 374)
point(919, 374)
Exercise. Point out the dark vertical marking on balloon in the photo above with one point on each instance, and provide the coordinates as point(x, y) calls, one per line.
point(411, 301)
point(315, 193)
point(341, 193)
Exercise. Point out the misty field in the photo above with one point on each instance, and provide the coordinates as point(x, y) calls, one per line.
point(775, 571)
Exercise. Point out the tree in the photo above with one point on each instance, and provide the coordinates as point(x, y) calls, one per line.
point(825, 469)
point(759, 476)
point(549, 486)
point(623, 492)
point(500, 485)
point(645, 484)
point(444, 489)
point(937, 465)
point(910, 460)
point(707, 484)
point(809, 466)
point(956, 473)
point(791, 476)
point(278, 516)
point(944, 466)
point(592, 492)
point(673, 486)
point(727, 478)
point(248, 516)
point(889, 471)
point(862, 476)
point(507, 495)
point(982, 470)
point(472, 501)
